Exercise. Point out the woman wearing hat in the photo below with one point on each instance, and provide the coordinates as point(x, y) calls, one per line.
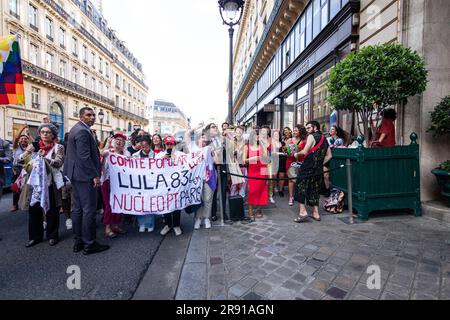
point(53, 154)
point(114, 144)
point(172, 219)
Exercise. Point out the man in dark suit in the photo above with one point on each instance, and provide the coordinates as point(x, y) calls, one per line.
point(82, 167)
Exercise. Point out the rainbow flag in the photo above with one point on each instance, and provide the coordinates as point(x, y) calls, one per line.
point(11, 78)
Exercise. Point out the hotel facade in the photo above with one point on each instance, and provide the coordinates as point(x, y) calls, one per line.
point(285, 50)
point(71, 59)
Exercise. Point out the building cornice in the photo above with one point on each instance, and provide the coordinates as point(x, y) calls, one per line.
point(283, 17)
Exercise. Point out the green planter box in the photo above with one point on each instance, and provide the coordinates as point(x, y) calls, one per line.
point(382, 178)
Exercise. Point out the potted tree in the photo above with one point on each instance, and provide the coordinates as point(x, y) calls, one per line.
point(375, 77)
point(366, 82)
point(440, 126)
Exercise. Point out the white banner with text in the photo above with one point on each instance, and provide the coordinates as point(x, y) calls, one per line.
point(141, 186)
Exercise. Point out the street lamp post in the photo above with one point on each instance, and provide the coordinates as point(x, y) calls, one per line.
point(233, 10)
point(101, 116)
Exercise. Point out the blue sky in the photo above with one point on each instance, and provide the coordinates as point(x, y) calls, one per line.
point(183, 47)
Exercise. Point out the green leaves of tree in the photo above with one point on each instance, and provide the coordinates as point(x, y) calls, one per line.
point(440, 118)
point(376, 77)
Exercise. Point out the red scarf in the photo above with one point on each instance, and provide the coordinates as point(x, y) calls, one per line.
point(46, 148)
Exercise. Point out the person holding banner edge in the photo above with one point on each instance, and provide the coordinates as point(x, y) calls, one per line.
point(172, 220)
point(114, 144)
point(146, 222)
point(195, 142)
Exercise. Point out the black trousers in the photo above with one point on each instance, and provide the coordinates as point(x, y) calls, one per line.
point(224, 187)
point(36, 219)
point(84, 198)
point(173, 219)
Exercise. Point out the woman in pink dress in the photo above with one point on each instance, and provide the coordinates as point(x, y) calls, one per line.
point(257, 158)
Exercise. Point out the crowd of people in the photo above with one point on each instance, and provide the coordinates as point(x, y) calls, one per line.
point(263, 161)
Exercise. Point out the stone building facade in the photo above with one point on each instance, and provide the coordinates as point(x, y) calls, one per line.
point(71, 59)
point(286, 48)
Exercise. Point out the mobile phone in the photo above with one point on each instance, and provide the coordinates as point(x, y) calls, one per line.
point(36, 146)
point(111, 133)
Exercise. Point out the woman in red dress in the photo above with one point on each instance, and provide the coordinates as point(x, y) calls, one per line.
point(256, 157)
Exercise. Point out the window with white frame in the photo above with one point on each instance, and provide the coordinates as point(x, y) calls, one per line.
point(49, 61)
point(14, 8)
point(34, 54)
point(85, 54)
point(107, 69)
point(33, 16)
point(49, 28)
point(94, 84)
point(75, 109)
point(324, 13)
point(75, 46)
point(62, 68)
point(93, 59)
point(75, 75)
point(35, 97)
point(85, 80)
point(100, 64)
point(62, 37)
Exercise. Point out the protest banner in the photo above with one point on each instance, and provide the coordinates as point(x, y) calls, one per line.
point(141, 186)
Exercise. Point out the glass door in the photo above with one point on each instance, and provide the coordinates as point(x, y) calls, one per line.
point(302, 105)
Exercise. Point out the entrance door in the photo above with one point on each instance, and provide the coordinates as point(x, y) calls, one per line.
point(57, 118)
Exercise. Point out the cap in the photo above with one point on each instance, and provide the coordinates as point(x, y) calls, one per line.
point(120, 135)
point(169, 140)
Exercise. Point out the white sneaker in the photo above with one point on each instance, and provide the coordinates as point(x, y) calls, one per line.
point(271, 200)
point(197, 224)
point(142, 229)
point(150, 229)
point(69, 224)
point(165, 230)
point(207, 223)
point(178, 231)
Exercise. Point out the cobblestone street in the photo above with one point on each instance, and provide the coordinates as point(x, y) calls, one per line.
point(274, 258)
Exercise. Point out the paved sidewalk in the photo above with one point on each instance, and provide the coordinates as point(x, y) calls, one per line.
point(274, 258)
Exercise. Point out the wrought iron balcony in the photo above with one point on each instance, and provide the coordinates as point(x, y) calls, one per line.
point(55, 6)
point(38, 72)
point(128, 114)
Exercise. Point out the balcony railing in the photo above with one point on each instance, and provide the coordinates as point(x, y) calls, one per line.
point(63, 83)
point(130, 115)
